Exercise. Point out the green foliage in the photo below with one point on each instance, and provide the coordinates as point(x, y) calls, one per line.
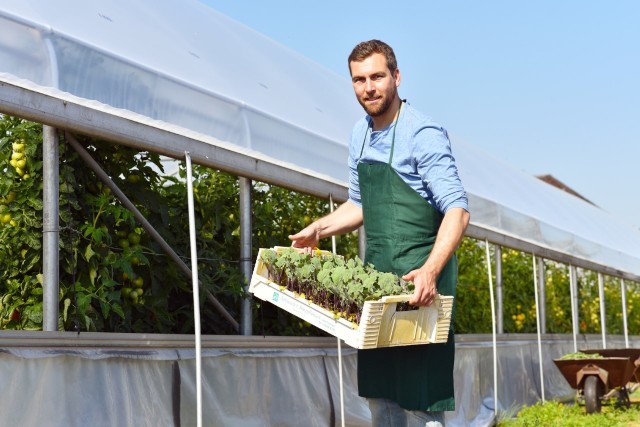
point(558, 298)
point(518, 291)
point(552, 413)
point(580, 355)
point(473, 305)
point(20, 225)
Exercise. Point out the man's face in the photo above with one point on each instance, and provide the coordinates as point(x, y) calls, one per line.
point(375, 86)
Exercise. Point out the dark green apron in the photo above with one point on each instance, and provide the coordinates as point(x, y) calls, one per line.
point(401, 229)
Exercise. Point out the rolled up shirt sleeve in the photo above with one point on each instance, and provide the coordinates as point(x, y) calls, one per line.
point(355, 148)
point(437, 168)
point(354, 185)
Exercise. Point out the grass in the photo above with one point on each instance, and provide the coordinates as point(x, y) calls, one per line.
point(556, 414)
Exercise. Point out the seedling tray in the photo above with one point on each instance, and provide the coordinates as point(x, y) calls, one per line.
point(381, 325)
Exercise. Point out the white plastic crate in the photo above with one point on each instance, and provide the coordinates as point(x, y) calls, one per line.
point(380, 324)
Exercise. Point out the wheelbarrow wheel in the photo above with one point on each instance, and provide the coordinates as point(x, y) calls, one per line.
point(592, 394)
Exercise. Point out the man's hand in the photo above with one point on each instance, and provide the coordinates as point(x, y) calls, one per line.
point(452, 229)
point(425, 286)
point(308, 237)
point(346, 218)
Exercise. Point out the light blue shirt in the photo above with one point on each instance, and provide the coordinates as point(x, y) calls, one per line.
point(422, 157)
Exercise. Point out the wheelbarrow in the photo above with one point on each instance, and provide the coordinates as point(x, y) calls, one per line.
point(599, 378)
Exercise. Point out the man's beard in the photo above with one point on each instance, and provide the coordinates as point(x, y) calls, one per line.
point(378, 110)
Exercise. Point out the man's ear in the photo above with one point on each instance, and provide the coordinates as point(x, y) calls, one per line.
point(396, 76)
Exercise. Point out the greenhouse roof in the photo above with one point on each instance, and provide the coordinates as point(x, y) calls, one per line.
point(175, 76)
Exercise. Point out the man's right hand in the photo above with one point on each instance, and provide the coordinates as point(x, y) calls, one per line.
point(346, 218)
point(308, 237)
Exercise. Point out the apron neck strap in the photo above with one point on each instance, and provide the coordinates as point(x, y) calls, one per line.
point(393, 135)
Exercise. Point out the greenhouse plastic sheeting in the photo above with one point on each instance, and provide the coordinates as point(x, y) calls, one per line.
point(262, 387)
point(186, 64)
point(183, 64)
point(141, 389)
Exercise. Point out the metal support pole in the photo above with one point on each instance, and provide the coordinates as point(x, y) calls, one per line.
point(245, 252)
point(493, 332)
point(499, 303)
point(538, 318)
point(573, 289)
point(195, 287)
point(50, 228)
point(362, 242)
point(102, 175)
point(542, 287)
point(623, 291)
point(333, 249)
point(603, 314)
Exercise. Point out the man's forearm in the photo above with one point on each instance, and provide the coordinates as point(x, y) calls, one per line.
point(346, 218)
point(451, 232)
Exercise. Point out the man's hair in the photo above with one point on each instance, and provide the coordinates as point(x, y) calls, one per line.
point(363, 50)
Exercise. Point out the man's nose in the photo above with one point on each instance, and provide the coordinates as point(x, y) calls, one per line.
point(369, 87)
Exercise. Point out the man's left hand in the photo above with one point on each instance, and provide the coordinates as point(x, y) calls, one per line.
point(425, 286)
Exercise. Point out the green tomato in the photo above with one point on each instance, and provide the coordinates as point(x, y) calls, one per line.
point(138, 282)
point(133, 178)
point(134, 238)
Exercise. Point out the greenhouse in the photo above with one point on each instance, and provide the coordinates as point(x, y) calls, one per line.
point(178, 79)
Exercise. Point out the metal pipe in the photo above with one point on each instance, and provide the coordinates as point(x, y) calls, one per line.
point(623, 291)
point(102, 175)
point(245, 252)
point(499, 303)
point(196, 289)
point(493, 331)
point(340, 380)
point(542, 288)
point(538, 316)
point(362, 242)
point(497, 237)
point(50, 228)
point(573, 290)
point(603, 314)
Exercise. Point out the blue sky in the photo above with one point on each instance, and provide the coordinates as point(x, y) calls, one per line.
point(550, 87)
